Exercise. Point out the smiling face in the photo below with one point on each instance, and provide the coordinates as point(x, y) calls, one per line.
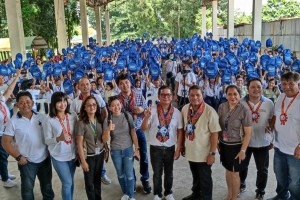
point(255, 89)
point(289, 87)
point(84, 86)
point(115, 107)
point(195, 97)
point(61, 106)
point(91, 106)
point(165, 96)
point(233, 96)
point(25, 105)
point(125, 86)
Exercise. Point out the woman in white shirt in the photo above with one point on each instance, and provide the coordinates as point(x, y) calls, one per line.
point(59, 136)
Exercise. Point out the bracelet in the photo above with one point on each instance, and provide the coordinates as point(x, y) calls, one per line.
point(18, 158)
point(242, 150)
point(137, 148)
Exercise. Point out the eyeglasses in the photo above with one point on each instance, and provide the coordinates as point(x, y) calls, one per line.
point(166, 95)
point(22, 103)
point(91, 105)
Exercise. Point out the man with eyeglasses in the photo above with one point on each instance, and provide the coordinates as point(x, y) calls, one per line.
point(24, 140)
point(135, 104)
point(85, 87)
point(287, 139)
point(201, 127)
point(164, 125)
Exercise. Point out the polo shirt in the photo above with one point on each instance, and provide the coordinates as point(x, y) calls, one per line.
point(76, 103)
point(28, 136)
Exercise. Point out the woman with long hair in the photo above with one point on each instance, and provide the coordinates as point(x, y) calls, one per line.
point(236, 123)
point(120, 129)
point(59, 132)
point(90, 146)
point(272, 91)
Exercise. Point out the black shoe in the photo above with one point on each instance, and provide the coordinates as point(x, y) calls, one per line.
point(147, 188)
point(259, 196)
point(243, 189)
point(192, 196)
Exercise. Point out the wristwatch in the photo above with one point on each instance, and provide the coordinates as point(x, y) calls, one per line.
point(212, 153)
point(18, 158)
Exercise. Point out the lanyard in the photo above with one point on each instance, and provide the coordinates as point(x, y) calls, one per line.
point(62, 124)
point(94, 129)
point(255, 114)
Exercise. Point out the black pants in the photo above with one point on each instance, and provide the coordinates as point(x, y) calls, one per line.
point(182, 101)
point(213, 102)
point(202, 180)
point(162, 159)
point(92, 178)
point(171, 83)
point(261, 157)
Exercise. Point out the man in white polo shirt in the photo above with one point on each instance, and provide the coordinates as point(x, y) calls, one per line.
point(84, 86)
point(165, 131)
point(262, 110)
point(29, 149)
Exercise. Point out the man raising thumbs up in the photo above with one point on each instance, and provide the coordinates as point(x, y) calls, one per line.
point(165, 130)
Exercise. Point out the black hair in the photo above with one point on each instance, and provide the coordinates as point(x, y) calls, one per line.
point(110, 85)
point(57, 97)
point(253, 79)
point(83, 114)
point(163, 87)
point(233, 87)
point(195, 87)
point(23, 93)
point(122, 77)
point(294, 76)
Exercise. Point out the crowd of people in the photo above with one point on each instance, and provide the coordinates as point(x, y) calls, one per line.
point(193, 97)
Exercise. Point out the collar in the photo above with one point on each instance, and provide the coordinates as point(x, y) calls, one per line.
point(262, 98)
point(19, 115)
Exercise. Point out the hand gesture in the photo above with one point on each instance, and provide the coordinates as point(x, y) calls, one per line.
point(241, 156)
point(111, 126)
point(61, 137)
point(147, 112)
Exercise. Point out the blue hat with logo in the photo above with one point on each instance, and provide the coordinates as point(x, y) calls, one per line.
point(68, 86)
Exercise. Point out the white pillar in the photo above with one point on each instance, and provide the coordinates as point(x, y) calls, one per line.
point(214, 19)
point(107, 25)
point(98, 24)
point(84, 25)
point(15, 27)
point(203, 9)
point(60, 24)
point(257, 19)
point(230, 19)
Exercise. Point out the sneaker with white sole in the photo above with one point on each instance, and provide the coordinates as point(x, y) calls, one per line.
point(125, 197)
point(10, 176)
point(169, 197)
point(9, 183)
point(131, 198)
point(156, 197)
point(105, 180)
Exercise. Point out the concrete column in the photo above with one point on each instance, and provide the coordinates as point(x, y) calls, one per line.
point(214, 19)
point(15, 27)
point(230, 19)
point(83, 20)
point(98, 24)
point(257, 19)
point(60, 24)
point(107, 25)
point(203, 9)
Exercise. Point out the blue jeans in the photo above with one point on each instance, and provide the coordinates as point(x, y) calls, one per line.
point(3, 162)
point(103, 172)
point(287, 172)
point(43, 171)
point(123, 162)
point(144, 171)
point(65, 171)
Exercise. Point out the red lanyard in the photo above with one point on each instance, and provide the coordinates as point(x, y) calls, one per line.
point(3, 110)
point(67, 134)
point(255, 114)
point(283, 116)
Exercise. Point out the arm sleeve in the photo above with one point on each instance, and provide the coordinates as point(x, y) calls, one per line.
point(50, 138)
point(10, 129)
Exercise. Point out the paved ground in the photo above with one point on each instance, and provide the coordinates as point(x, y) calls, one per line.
point(181, 187)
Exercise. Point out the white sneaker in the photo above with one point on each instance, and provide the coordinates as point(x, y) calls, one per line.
point(9, 183)
point(10, 176)
point(132, 199)
point(156, 197)
point(105, 180)
point(170, 197)
point(125, 197)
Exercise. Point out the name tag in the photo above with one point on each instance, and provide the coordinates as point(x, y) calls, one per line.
point(97, 150)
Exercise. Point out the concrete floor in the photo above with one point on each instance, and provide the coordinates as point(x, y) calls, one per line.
point(181, 187)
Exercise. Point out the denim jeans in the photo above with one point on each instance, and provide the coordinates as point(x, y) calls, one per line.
point(3, 162)
point(123, 162)
point(202, 180)
point(144, 170)
point(103, 172)
point(162, 160)
point(92, 178)
point(261, 157)
point(65, 171)
point(28, 173)
point(287, 172)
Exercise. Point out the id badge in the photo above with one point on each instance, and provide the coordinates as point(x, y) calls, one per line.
point(225, 136)
point(97, 150)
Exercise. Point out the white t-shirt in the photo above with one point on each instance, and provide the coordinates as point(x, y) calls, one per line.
point(171, 67)
point(175, 124)
point(28, 136)
point(152, 95)
point(287, 136)
point(60, 151)
point(266, 112)
point(190, 78)
point(2, 124)
point(76, 103)
point(213, 91)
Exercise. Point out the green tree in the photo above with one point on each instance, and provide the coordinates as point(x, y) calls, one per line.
point(72, 19)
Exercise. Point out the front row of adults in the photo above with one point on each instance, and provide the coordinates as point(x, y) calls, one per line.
point(241, 127)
